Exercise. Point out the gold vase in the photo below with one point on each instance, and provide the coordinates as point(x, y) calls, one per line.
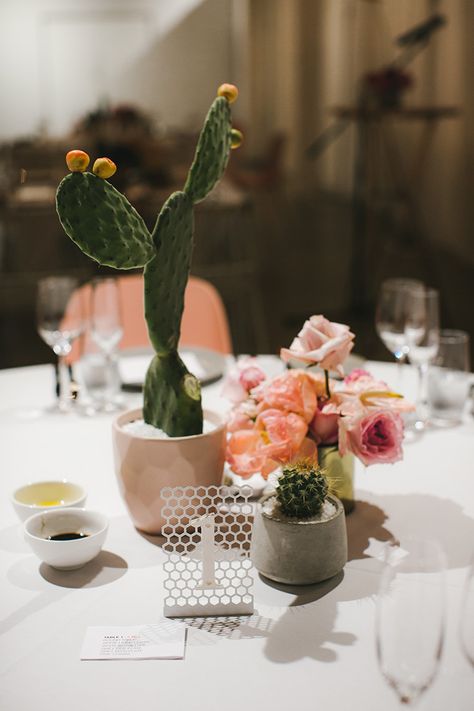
point(339, 472)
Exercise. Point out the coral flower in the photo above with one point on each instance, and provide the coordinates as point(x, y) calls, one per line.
point(276, 438)
point(292, 391)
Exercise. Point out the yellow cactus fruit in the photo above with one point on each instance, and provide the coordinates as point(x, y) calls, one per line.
point(229, 92)
point(77, 161)
point(236, 138)
point(104, 167)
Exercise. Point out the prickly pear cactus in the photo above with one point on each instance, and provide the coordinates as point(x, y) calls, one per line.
point(101, 221)
point(212, 151)
point(302, 490)
point(166, 274)
point(106, 227)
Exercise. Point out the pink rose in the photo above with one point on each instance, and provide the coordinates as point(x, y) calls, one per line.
point(292, 391)
point(373, 436)
point(241, 379)
point(276, 438)
point(360, 380)
point(324, 426)
point(364, 390)
point(321, 342)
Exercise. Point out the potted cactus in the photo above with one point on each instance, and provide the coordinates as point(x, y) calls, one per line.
point(102, 222)
point(299, 532)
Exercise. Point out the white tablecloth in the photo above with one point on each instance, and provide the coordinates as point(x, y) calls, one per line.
point(307, 648)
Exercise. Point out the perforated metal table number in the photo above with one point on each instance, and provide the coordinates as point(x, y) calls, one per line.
point(207, 541)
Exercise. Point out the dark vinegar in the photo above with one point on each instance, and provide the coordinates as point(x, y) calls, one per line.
point(67, 536)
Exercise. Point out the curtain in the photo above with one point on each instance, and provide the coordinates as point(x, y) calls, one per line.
point(306, 57)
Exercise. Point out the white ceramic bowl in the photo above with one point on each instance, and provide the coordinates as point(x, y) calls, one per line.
point(66, 554)
point(47, 495)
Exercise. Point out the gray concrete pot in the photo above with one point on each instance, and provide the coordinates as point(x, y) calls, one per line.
point(298, 552)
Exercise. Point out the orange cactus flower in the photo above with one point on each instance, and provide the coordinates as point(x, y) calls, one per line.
point(229, 92)
point(77, 161)
point(104, 168)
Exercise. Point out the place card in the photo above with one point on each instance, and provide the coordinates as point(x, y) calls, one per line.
point(165, 640)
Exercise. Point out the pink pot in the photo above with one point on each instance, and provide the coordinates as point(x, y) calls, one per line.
point(144, 466)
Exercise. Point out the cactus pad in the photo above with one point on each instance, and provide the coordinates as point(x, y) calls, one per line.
point(172, 397)
point(101, 221)
point(166, 274)
point(302, 490)
point(212, 151)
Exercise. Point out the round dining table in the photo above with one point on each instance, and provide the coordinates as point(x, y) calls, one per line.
point(307, 647)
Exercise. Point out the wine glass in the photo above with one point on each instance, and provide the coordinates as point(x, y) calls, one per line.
point(393, 306)
point(99, 363)
point(467, 616)
point(60, 320)
point(106, 319)
point(410, 617)
point(422, 335)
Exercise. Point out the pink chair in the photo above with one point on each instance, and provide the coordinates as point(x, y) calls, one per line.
point(204, 320)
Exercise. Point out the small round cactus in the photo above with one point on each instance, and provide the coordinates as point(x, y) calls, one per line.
point(77, 161)
point(302, 490)
point(104, 168)
point(229, 92)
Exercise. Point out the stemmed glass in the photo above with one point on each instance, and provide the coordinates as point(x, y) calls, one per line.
point(99, 364)
point(467, 616)
point(410, 617)
point(393, 307)
point(60, 320)
point(422, 335)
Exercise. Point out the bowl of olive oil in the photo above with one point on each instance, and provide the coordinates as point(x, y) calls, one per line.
point(45, 495)
point(66, 538)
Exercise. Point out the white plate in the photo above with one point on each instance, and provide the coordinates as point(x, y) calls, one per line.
point(205, 364)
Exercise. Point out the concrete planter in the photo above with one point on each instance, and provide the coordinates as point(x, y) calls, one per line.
point(299, 552)
point(144, 466)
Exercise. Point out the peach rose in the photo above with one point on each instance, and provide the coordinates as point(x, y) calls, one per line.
point(373, 436)
point(276, 438)
point(321, 342)
point(292, 391)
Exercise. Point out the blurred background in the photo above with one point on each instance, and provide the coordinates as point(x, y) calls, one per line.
point(357, 163)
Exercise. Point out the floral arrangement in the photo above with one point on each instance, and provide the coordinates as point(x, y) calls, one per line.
point(278, 420)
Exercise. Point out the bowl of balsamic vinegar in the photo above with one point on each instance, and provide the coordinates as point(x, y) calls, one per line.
point(66, 538)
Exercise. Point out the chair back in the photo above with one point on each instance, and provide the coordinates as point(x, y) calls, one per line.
point(204, 323)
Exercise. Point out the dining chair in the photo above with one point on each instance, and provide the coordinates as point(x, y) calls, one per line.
point(204, 323)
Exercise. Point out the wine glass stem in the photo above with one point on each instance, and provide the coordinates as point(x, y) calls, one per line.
point(64, 391)
point(422, 396)
point(401, 360)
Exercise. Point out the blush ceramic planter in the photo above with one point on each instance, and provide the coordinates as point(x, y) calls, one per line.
point(298, 552)
point(144, 466)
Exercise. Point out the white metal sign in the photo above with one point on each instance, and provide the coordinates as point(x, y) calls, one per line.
point(207, 534)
